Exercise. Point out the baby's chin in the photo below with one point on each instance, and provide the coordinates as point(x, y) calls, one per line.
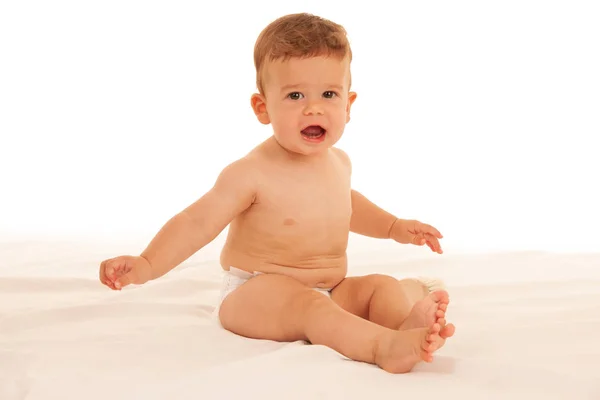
point(306, 142)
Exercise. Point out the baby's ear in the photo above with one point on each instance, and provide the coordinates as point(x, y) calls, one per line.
point(351, 98)
point(259, 106)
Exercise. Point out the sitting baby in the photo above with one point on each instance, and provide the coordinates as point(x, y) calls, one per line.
point(290, 208)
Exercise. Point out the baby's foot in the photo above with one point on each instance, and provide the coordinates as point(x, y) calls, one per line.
point(431, 310)
point(427, 311)
point(448, 330)
point(399, 351)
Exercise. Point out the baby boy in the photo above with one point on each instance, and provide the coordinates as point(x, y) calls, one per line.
point(290, 208)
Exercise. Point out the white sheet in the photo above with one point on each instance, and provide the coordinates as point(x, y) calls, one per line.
point(527, 328)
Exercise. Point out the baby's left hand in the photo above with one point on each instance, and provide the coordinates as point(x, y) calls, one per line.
point(414, 232)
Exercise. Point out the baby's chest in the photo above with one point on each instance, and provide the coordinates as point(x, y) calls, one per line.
point(326, 205)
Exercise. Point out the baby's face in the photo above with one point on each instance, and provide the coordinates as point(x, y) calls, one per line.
point(308, 102)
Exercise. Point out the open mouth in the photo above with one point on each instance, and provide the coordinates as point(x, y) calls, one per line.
point(314, 133)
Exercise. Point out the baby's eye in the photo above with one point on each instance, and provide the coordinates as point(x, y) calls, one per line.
point(295, 95)
point(329, 94)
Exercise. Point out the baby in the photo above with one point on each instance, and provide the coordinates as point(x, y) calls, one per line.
point(290, 207)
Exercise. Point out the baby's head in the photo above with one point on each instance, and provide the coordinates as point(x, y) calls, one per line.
point(303, 78)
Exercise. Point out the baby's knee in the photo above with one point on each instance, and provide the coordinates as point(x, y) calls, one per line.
point(381, 280)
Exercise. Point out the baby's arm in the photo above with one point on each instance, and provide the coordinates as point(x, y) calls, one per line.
point(201, 222)
point(368, 219)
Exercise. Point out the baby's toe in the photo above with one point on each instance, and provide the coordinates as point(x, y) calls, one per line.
point(440, 296)
point(447, 331)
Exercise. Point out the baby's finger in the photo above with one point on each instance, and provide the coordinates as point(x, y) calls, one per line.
point(102, 272)
point(106, 271)
point(432, 231)
point(113, 270)
point(434, 244)
point(122, 282)
point(430, 246)
point(105, 279)
point(433, 247)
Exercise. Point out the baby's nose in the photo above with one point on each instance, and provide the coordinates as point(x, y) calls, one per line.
point(313, 108)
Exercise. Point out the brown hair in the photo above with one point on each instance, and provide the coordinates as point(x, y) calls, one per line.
point(299, 35)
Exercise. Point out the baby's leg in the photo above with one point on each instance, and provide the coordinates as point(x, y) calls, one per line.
point(396, 304)
point(276, 307)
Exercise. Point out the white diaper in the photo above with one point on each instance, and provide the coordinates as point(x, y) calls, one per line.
point(234, 278)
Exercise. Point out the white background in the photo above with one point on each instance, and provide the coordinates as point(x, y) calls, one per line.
point(481, 118)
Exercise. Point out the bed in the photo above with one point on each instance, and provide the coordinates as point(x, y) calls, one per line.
point(527, 328)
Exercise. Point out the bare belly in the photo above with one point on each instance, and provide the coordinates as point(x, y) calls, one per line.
point(314, 271)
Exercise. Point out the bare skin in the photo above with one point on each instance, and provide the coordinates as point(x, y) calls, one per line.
point(404, 304)
point(290, 208)
point(277, 307)
point(298, 223)
point(288, 232)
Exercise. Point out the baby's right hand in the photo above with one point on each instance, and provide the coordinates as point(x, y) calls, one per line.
point(116, 273)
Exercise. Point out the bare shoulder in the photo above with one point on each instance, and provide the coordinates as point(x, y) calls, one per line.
point(234, 191)
point(241, 176)
point(343, 157)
